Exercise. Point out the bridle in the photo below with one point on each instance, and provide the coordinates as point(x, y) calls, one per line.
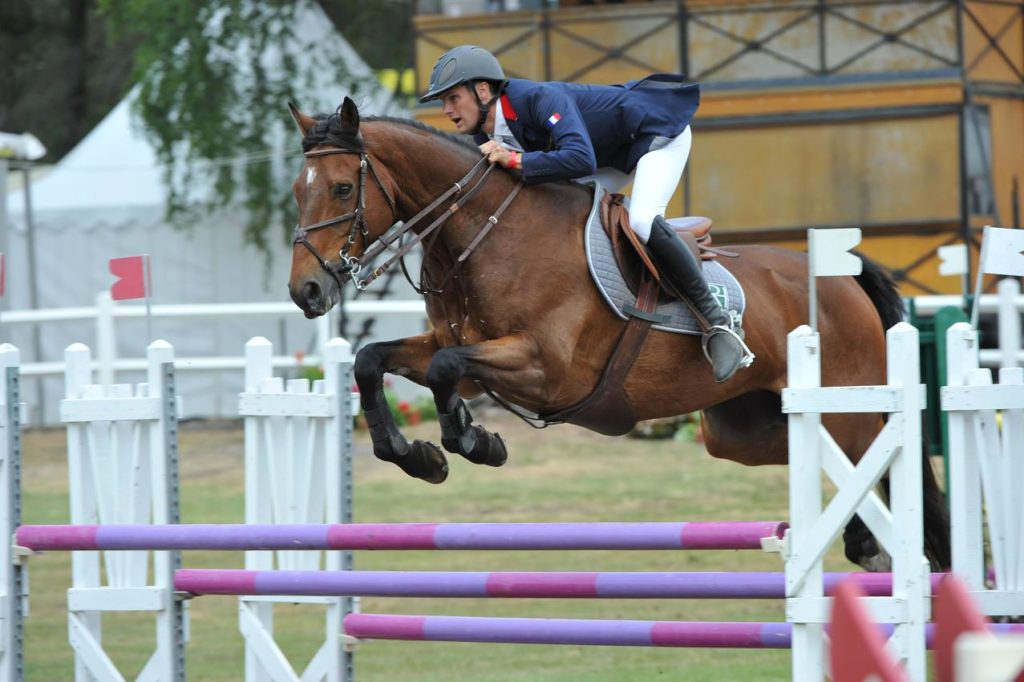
point(350, 266)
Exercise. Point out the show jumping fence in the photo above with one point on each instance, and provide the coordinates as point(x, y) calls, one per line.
point(987, 466)
point(300, 441)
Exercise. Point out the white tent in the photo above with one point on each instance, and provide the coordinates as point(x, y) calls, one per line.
point(106, 199)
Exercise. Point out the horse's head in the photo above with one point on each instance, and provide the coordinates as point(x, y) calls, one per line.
point(340, 212)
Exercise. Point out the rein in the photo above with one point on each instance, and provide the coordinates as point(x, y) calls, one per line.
point(350, 266)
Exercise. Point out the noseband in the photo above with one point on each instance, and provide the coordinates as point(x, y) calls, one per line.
point(348, 265)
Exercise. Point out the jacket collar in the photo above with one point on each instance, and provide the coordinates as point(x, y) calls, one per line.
point(506, 109)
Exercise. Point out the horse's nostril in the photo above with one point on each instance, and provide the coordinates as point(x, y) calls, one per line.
point(311, 291)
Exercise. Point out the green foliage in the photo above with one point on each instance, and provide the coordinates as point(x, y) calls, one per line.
point(405, 412)
point(214, 78)
point(311, 374)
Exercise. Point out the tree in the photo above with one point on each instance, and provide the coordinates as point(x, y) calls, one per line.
point(61, 74)
point(214, 76)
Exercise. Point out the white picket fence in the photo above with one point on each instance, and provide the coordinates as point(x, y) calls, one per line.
point(122, 459)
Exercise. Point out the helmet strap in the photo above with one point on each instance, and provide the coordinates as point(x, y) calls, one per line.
point(485, 108)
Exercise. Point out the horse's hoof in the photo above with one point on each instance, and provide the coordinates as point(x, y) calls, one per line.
point(864, 550)
point(489, 450)
point(432, 465)
point(877, 563)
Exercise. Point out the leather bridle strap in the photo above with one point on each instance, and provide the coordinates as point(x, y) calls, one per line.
point(406, 247)
point(458, 187)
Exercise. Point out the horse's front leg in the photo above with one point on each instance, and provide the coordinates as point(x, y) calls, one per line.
point(408, 357)
point(507, 361)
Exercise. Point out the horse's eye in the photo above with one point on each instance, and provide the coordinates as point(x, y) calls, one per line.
point(343, 190)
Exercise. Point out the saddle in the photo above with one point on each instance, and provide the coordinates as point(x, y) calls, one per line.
point(631, 255)
point(607, 409)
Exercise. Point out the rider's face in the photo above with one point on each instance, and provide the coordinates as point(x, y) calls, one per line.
point(461, 108)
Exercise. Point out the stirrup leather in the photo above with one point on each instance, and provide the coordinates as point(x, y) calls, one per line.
point(748, 355)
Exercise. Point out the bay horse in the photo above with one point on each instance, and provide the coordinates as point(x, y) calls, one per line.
point(514, 310)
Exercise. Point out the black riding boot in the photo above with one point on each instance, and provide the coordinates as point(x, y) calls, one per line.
point(681, 275)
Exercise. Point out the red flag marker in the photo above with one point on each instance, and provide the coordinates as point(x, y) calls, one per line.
point(857, 647)
point(955, 613)
point(133, 275)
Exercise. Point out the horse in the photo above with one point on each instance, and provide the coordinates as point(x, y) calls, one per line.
point(514, 311)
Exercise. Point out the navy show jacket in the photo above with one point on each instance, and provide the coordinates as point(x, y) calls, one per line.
point(568, 130)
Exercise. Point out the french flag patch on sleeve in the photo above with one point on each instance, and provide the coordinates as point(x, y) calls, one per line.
point(555, 118)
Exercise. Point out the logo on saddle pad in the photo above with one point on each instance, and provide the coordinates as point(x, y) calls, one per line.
point(720, 292)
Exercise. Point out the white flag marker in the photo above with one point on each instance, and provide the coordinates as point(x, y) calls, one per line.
point(1003, 250)
point(1002, 253)
point(953, 259)
point(828, 255)
point(829, 251)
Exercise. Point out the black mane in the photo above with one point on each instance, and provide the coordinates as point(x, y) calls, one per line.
point(464, 141)
point(329, 130)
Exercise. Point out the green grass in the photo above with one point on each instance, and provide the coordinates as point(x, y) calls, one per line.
point(562, 474)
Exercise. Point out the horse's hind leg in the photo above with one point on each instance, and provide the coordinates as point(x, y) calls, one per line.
point(491, 363)
point(751, 429)
point(419, 459)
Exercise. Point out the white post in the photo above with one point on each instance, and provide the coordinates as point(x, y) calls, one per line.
point(805, 490)
point(338, 361)
point(106, 337)
point(1009, 323)
point(258, 369)
point(323, 337)
point(1012, 378)
point(965, 477)
point(13, 585)
point(171, 620)
point(910, 570)
point(85, 566)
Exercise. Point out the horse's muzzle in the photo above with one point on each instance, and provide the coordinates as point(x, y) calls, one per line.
point(313, 296)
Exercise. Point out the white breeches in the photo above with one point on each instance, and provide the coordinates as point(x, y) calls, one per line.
point(655, 179)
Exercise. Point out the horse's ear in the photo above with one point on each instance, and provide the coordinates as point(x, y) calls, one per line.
point(301, 120)
point(349, 114)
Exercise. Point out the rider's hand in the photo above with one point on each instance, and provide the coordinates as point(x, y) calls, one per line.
point(495, 153)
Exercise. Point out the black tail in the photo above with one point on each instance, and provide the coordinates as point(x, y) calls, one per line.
point(882, 291)
point(883, 294)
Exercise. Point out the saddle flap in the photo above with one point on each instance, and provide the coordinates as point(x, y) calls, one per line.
point(631, 255)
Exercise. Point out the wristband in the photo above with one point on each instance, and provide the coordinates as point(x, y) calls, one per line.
point(513, 163)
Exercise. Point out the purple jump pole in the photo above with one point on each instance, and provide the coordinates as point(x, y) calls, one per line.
point(658, 535)
point(566, 631)
point(590, 632)
point(513, 585)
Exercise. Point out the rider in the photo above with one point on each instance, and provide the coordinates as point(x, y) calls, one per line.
point(639, 131)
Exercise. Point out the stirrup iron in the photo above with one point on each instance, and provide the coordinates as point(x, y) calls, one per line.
point(748, 356)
